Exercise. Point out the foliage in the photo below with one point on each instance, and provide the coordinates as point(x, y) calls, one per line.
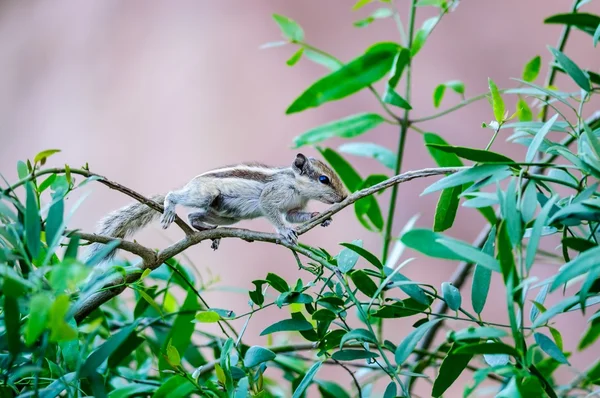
point(345, 301)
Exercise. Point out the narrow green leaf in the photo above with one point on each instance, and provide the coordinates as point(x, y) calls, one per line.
point(465, 176)
point(550, 348)
point(391, 391)
point(524, 111)
point(360, 4)
point(22, 170)
point(100, 354)
point(370, 257)
point(540, 298)
point(54, 220)
point(41, 157)
point(596, 37)
point(487, 348)
point(392, 97)
point(529, 202)
point(257, 355)
point(277, 283)
point(476, 155)
point(536, 233)
point(482, 276)
point(350, 78)
point(347, 258)
point(511, 214)
point(363, 282)
point(538, 138)
point(173, 356)
point(39, 313)
point(581, 20)
point(32, 221)
point(532, 69)
point(426, 241)
point(407, 346)
point(367, 149)
point(442, 159)
point(287, 325)
point(400, 62)
point(360, 335)
point(456, 85)
point(290, 29)
point(452, 366)
point(351, 355)
point(483, 332)
point(422, 34)
point(471, 253)
point(446, 209)
point(451, 296)
point(579, 76)
point(505, 252)
point(578, 266)
point(347, 127)
point(438, 95)
point(307, 380)
point(208, 317)
point(497, 102)
point(12, 318)
point(293, 60)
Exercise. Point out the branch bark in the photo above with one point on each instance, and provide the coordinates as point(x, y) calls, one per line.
point(151, 260)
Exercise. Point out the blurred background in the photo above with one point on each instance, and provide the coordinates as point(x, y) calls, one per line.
point(152, 93)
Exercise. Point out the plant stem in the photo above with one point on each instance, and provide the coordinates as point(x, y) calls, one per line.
point(402, 141)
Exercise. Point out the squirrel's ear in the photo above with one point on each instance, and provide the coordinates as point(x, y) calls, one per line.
point(300, 163)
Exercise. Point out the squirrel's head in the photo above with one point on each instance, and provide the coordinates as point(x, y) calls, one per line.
point(318, 181)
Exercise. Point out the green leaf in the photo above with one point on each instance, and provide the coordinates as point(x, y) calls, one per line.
point(497, 102)
point(407, 307)
point(426, 242)
point(208, 317)
point(392, 97)
point(400, 62)
point(54, 220)
point(596, 37)
point(540, 298)
point(347, 258)
point(347, 127)
point(529, 202)
point(22, 170)
point(532, 69)
point(484, 332)
point(257, 355)
point(465, 176)
point(581, 20)
point(578, 244)
point(538, 138)
point(150, 300)
point(289, 28)
point(323, 59)
point(39, 313)
point(12, 318)
point(511, 214)
point(360, 4)
point(41, 157)
point(579, 76)
point(360, 335)
point(176, 386)
point(46, 183)
point(536, 233)
point(556, 309)
point(438, 95)
point(379, 13)
point(307, 380)
point(523, 111)
point(32, 221)
point(60, 330)
point(391, 391)
point(447, 206)
point(329, 389)
point(482, 276)
point(287, 325)
point(367, 149)
point(351, 355)
point(451, 296)
point(456, 85)
point(470, 253)
point(578, 266)
point(350, 78)
point(476, 155)
point(591, 335)
point(293, 60)
point(173, 356)
point(277, 283)
point(370, 257)
point(407, 346)
point(487, 348)
point(506, 256)
point(550, 348)
point(452, 366)
point(363, 282)
point(443, 159)
point(100, 354)
point(422, 34)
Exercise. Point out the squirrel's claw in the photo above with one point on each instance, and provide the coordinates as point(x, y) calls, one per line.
point(289, 236)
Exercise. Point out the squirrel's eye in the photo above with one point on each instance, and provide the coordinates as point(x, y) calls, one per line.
point(324, 179)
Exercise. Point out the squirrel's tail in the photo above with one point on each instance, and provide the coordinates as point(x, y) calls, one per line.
point(122, 223)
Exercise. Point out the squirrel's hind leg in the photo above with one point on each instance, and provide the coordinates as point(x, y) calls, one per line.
point(192, 195)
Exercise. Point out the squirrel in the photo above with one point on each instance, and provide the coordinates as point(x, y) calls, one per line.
point(230, 194)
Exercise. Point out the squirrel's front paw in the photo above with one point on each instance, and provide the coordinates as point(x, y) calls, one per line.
point(325, 223)
point(289, 236)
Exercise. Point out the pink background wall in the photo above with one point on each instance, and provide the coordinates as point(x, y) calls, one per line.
point(152, 93)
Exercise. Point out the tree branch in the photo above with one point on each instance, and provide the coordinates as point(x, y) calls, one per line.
point(152, 261)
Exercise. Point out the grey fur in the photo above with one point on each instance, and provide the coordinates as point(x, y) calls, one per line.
point(124, 222)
